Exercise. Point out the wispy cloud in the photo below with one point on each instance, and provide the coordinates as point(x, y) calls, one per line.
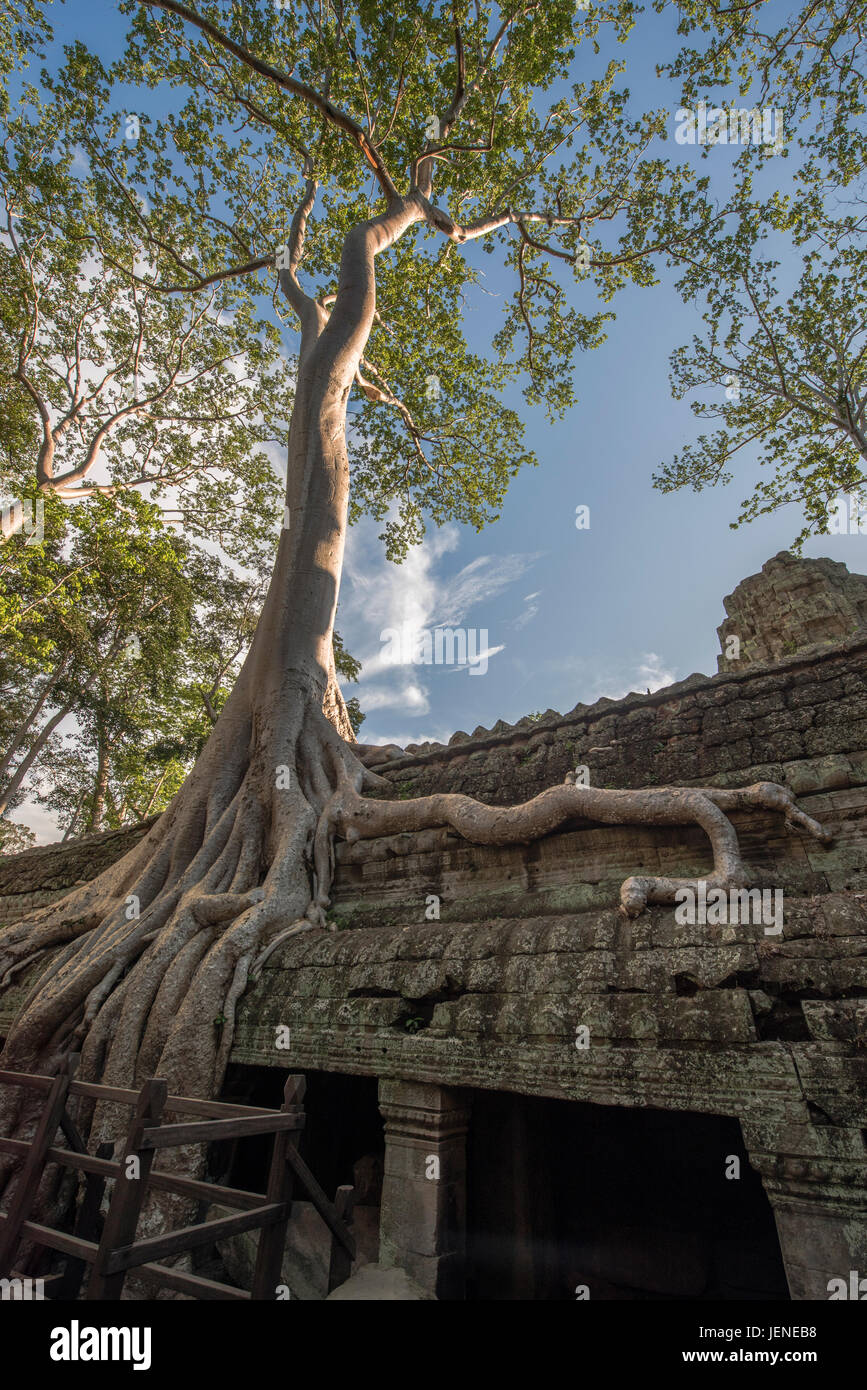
point(529, 612)
point(480, 581)
point(410, 696)
point(650, 673)
point(414, 597)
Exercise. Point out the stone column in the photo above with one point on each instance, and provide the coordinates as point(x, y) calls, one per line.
point(819, 1201)
point(424, 1204)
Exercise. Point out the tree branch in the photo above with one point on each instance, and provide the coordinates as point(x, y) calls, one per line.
point(315, 99)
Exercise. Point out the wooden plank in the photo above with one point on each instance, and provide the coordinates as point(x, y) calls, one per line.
point(217, 1109)
point(67, 1158)
point(33, 1082)
point(340, 1264)
point(207, 1131)
point(181, 1105)
point(26, 1181)
point(268, 1270)
point(321, 1202)
point(87, 1222)
point(14, 1146)
point(165, 1182)
point(193, 1284)
point(56, 1240)
point(161, 1182)
point(128, 1196)
point(85, 1163)
point(73, 1138)
point(207, 1191)
point(190, 1238)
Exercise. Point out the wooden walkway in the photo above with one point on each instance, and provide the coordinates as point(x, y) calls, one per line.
point(110, 1255)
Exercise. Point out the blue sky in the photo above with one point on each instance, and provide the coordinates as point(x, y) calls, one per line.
point(569, 614)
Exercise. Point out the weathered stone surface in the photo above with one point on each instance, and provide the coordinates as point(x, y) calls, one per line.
point(792, 605)
point(747, 724)
point(372, 1283)
point(308, 1250)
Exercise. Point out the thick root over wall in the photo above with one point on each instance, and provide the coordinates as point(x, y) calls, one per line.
point(156, 952)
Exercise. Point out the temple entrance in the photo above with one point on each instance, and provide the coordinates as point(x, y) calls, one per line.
point(570, 1200)
point(343, 1127)
point(342, 1143)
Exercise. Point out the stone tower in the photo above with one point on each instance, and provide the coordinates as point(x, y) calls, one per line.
point(790, 605)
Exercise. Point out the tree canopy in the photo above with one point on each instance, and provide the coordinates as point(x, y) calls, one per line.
point(154, 262)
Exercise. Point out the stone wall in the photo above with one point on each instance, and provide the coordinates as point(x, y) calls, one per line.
point(528, 949)
point(738, 727)
point(38, 876)
point(801, 721)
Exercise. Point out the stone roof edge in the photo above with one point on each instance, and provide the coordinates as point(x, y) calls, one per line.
point(522, 731)
point(78, 842)
point(551, 720)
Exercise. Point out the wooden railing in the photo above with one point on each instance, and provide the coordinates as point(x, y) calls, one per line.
point(117, 1250)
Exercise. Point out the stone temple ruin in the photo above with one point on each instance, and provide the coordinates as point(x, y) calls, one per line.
point(537, 1098)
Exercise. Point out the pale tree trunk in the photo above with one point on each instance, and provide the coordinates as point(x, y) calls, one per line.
point(243, 856)
point(16, 781)
point(100, 785)
point(27, 723)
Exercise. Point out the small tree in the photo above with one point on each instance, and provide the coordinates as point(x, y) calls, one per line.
point(786, 375)
point(783, 367)
point(109, 635)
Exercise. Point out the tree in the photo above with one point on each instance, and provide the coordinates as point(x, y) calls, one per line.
point(113, 385)
point(400, 140)
point(785, 366)
point(788, 375)
point(109, 634)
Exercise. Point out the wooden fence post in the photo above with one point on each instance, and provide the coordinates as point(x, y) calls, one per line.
point(68, 1286)
point(33, 1167)
point(340, 1266)
point(272, 1240)
point(129, 1193)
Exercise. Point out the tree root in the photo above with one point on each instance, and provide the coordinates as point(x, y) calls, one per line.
point(355, 817)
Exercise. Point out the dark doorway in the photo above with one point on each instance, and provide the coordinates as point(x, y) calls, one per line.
point(343, 1126)
point(626, 1204)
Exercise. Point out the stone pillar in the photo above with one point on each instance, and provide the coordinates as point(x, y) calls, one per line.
point(424, 1206)
point(820, 1207)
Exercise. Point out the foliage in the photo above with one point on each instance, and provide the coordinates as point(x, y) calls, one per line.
point(783, 357)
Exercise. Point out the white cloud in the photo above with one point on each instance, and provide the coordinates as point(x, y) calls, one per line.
point(653, 674)
point(650, 673)
point(411, 696)
point(529, 612)
point(483, 579)
point(478, 659)
point(411, 598)
point(402, 737)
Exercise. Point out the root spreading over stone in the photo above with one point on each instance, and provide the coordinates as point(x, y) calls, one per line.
point(155, 953)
